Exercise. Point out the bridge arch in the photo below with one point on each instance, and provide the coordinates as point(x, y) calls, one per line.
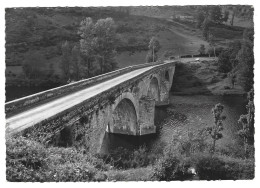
point(124, 116)
point(154, 89)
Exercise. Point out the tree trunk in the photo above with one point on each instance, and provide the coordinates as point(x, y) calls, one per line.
point(88, 63)
point(232, 19)
point(213, 147)
point(153, 53)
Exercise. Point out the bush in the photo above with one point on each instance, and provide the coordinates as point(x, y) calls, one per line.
point(166, 168)
point(122, 158)
point(29, 161)
point(215, 168)
point(224, 63)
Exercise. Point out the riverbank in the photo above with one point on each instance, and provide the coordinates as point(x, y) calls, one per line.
point(203, 78)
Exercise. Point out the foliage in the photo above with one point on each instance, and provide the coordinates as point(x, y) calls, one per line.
point(150, 58)
point(65, 60)
point(202, 49)
point(215, 130)
point(245, 57)
point(226, 16)
point(76, 63)
point(29, 161)
point(247, 121)
point(122, 158)
point(215, 14)
point(218, 51)
point(217, 168)
point(205, 28)
point(33, 65)
point(202, 14)
point(195, 142)
point(98, 43)
point(154, 47)
point(166, 168)
point(224, 63)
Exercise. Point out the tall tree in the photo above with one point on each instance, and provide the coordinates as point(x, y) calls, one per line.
point(33, 65)
point(247, 121)
point(65, 60)
point(226, 16)
point(245, 57)
point(105, 44)
point(87, 43)
point(215, 130)
point(76, 62)
point(200, 18)
point(202, 49)
point(215, 14)
point(211, 39)
point(154, 47)
point(205, 28)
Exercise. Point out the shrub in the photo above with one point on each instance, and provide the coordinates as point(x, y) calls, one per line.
point(166, 168)
point(122, 158)
point(224, 63)
point(215, 168)
point(29, 161)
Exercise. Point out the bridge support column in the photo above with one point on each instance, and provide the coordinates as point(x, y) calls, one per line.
point(164, 94)
point(146, 115)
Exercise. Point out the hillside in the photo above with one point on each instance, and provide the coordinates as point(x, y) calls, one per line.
point(40, 32)
point(36, 34)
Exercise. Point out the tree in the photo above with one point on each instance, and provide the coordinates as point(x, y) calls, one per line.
point(245, 58)
point(215, 14)
point(75, 62)
point(105, 44)
point(65, 59)
point(202, 14)
point(154, 47)
point(247, 121)
point(150, 58)
point(235, 10)
point(202, 49)
point(33, 65)
point(224, 63)
point(98, 44)
point(200, 18)
point(205, 28)
point(215, 130)
point(226, 16)
point(87, 44)
point(212, 42)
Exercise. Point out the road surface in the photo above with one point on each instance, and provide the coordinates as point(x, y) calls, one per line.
point(37, 114)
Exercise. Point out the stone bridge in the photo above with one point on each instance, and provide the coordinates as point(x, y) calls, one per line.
point(79, 114)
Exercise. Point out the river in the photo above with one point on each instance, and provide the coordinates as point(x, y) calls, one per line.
point(185, 114)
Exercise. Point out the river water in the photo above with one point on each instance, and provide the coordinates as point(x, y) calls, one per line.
point(185, 114)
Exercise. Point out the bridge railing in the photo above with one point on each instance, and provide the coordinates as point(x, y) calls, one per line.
point(24, 103)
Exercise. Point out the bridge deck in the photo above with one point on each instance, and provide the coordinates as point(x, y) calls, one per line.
point(37, 114)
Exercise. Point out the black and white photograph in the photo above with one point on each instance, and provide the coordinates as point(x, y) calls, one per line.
point(132, 93)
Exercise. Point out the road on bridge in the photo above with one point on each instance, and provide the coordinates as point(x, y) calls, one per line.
point(37, 114)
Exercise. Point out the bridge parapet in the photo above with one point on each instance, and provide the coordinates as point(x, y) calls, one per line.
point(24, 103)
